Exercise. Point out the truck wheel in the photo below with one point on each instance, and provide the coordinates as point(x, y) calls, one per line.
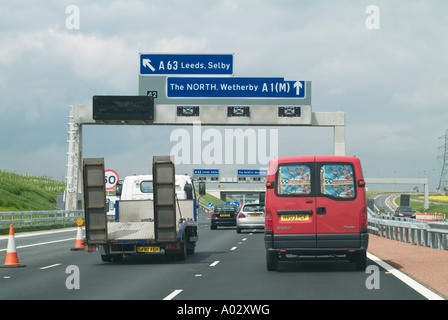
point(106, 257)
point(271, 261)
point(183, 246)
point(111, 257)
point(191, 248)
point(117, 257)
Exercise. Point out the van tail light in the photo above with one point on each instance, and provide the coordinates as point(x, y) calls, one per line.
point(213, 215)
point(363, 218)
point(269, 223)
point(241, 216)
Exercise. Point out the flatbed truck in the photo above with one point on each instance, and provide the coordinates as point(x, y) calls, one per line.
point(162, 219)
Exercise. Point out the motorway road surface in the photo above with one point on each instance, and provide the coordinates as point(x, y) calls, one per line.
point(226, 266)
point(382, 202)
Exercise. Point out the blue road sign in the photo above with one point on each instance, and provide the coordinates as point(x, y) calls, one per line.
point(210, 204)
point(233, 87)
point(198, 64)
point(252, 172)
point(206, 172)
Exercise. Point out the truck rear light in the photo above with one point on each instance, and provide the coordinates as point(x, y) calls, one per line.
point(174, 246)
point(269, 224)
point(363, 218)
point(90, 248)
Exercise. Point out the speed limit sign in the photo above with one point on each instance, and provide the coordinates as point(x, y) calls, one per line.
point(111, 179)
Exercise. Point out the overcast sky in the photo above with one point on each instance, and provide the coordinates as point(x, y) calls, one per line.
point(391, 81)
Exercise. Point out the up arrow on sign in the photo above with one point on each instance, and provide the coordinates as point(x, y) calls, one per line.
point(298, 86)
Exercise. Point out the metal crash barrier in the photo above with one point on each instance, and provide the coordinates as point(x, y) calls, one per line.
point(415, 232)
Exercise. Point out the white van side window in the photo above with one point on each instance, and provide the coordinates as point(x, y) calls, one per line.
point(336, 180)
point(146, 187)
point(294, 179)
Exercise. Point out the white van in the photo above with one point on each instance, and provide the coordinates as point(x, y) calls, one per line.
point(140, 187)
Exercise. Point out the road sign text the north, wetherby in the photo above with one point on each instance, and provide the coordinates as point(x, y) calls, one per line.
point(233, 87)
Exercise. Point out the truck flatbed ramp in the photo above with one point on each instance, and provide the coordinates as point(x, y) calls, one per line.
point(122, 231)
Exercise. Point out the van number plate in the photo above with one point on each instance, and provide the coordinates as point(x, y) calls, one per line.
point(148, 249)
point(295, 217)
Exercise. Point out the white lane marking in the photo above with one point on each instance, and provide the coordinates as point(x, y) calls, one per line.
point(410, 282)
point(233, 248)
point(214, 263)
point(53, 265)
point(173, 294)
point(38, 233)
point(41, 244)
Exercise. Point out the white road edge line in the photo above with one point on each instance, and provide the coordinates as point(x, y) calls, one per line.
point(40, 244)
point(173, 294)
point(214, 263)
point(53, 265)
point(409, 281)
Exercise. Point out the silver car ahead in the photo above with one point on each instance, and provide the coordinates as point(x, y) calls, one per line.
point(251, 216)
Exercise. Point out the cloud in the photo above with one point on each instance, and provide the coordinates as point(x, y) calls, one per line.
point(181, 44)
point(45, 160)
point(392, 82)
point(423, 98)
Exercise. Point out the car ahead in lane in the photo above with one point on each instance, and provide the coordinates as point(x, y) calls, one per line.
point(405, 212)
point(251, 216)
point(224, 215)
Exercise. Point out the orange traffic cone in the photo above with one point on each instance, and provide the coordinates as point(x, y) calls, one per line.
point(11, 254)
point(79, 244)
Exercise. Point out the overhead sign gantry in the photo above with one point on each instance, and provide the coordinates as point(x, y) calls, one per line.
point(186, 89)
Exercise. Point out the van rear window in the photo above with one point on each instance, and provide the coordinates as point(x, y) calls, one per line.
point(336, 180)
point(294, 179)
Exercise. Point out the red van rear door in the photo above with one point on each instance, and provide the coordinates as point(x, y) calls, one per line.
point(294, 203)
point(337, 205)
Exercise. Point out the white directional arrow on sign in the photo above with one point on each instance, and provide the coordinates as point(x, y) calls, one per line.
point(146, 63)
point(298, 86)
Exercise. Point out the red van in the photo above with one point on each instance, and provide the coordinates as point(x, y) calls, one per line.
point(315, 206)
